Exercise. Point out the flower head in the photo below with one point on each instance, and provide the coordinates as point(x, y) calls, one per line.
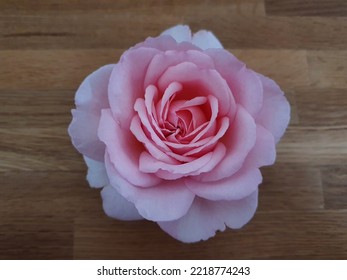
point(176, 132)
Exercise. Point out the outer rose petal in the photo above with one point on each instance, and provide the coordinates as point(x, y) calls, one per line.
point(117, 207)
point(205, 217)
point(162, 61)
point(235, 187)
point(91, 98)
point(168, 201)
point(264, 151)
point(206, 40)
point(126, 83)
point(247, 89)
point(124, 151)
point(96, 176)
point(275, 113)
point(180, 33)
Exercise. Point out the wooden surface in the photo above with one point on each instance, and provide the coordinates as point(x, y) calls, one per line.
point(47, 47)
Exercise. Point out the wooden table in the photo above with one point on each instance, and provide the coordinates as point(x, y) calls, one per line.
point(47, 210)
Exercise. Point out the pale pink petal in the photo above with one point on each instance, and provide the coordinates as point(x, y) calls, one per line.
point(161, 43)
point(225, 61)
point(275, 113)
point(91, 97)
point(167, 201)
point(246, 88)
point(264, 151)
point(117, 207)
point(162, 61)
point(206, 40)
point(241, 184)
point(180, 33)
point(96, 176)
point(126, 83)
point(205, 81)
point(239, 140)
point(206, 217)
point(124, 151)
point(83, 132)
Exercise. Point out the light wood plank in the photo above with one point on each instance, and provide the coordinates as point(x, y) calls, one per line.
point(313, 145)
point(66, 69)
point(328, 69)
point(321, 107)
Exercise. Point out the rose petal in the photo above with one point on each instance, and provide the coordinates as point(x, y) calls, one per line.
point(247, 89)
point(209, 130)
point(192, 167)
point(224, 125)
point(83, 132)
point(149, 164)
point(180, 33)
point(117, 207)
point(224, 61)
point(217, 155)
point(96, 176)
point(206, 40)
point(208, 81)
point(162, 61)
point(241, 184)
point(140, 108)
point(167, 201)
point(124, 151)
point(91, 98)
point(275, 113)
point(239, 140)
point(126, 83)
point(136, 129)
point(264, 151)
point(162, 43)
point(205, 217)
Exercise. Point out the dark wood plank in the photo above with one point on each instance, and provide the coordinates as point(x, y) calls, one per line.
point(320, 107)
point(290, 187)
point(95, 30)
point(37, 210)
point(330, 8)
point(335, 187)
point(75, 6)
point(38, 237)
point(270, 235)
point(36, 122)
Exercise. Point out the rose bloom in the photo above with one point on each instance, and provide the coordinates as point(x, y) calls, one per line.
point(175, 133)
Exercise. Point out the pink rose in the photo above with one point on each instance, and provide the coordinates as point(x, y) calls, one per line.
point(175, 133)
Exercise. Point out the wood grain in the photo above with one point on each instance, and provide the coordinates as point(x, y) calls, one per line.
point(47, 210)
point(306, 8)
